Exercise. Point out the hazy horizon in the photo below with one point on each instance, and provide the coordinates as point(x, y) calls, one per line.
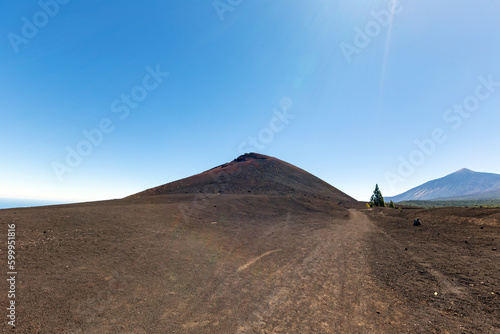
point(14, 203)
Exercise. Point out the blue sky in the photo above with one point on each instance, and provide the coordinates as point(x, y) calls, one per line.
point(167, 89)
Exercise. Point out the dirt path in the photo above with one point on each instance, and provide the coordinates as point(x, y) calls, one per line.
point(293, 271)
point(329, 290)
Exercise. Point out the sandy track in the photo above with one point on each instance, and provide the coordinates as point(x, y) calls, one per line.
point(139, 268)
point(329, 290)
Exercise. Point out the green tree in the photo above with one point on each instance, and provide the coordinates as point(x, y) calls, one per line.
point(391, 205)
point(377, 199)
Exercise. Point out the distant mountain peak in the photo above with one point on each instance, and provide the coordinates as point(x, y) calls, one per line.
point(463, 184)
point(465, 170)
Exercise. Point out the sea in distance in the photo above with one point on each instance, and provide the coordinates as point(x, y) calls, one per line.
point(9, 203)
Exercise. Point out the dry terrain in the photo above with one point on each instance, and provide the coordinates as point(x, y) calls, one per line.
point(253, 264)
point(252, 246)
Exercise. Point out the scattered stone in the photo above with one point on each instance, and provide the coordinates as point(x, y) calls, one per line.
point(417, 222)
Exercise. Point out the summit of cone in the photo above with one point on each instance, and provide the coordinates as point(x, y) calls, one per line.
point(252, 174)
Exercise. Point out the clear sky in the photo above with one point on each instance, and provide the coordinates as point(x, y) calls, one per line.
point(102, 99)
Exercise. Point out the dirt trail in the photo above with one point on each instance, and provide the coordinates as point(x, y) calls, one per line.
point(295, 267)
point(329, 290)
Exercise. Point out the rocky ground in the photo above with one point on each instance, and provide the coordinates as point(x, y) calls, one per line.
point(252, 264)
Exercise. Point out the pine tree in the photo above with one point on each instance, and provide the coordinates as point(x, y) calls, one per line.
point(377, 199)
point(391, 205)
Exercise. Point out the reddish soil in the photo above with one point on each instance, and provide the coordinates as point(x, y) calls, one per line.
point(454, 254)
point(253, 264)
point(252, 246)
point(254, 174)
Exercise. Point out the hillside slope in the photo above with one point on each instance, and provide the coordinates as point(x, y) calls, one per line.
point(254, 174)
point(463, 184)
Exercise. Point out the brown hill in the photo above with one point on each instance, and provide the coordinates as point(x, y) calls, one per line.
point(252, 264)
point(254, 174)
